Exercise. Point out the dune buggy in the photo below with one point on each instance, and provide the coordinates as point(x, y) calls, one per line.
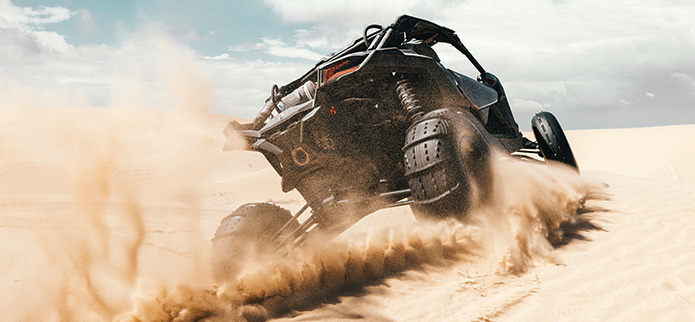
point(382, 123)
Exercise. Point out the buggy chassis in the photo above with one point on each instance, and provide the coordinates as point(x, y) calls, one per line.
point(352, 134)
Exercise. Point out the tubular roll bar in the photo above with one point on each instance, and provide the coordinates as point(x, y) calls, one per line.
point(373, 42)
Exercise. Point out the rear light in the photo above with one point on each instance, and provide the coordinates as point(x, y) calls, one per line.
point(343, 72)
point(340, 68)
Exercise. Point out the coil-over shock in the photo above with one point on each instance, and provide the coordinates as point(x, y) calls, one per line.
point(409, 97)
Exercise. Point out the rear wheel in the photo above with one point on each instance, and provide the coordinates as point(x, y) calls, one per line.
point(552, 140)
point(447, 164)
point(244, 233)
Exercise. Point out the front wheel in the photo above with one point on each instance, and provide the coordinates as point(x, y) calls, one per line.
point(245, 233)
point(447, 164)
point(552, 140)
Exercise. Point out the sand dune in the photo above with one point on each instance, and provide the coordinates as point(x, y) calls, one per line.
point(659, 153)
point(120, 231)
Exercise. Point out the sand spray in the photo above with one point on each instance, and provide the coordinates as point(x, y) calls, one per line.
point(123, 166)
point(508, 235)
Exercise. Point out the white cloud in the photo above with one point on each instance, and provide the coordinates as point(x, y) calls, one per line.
point(327, 38)
point(21, 31)
point(528, 105)
point(277, 47)
point(356, 12)
point(568, 56)
point(684, 77)
point(45, 15)
point(12, 16)
point(44, 62)
point(50, 41)
point(241, 87)
point(23, 46)
point(40, 68)
point(224, 56)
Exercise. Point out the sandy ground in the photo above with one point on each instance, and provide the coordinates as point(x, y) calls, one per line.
point(100, 219)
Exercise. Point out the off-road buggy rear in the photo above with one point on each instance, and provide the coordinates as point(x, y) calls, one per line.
point(382, 123)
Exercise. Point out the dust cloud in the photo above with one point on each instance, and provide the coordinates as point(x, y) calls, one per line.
point(508, 235)
point(84, 190)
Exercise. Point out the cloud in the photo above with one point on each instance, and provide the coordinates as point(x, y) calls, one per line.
point(41, 68)
point(12, 16)
point(683, 78)
point(325, 38)
point(357, 12)
point(597, 55)
point(21, 31)
point(242, 86)
point(277, 47)
point(574, 58)
point(566, 55)
point(224, 56)
point(335, 24)
point(42, 61)
point(528, 105)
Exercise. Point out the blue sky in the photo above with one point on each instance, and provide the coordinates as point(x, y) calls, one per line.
point(594, 63)
point(209, 27)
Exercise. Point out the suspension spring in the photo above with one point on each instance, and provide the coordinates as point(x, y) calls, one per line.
point(409, 98)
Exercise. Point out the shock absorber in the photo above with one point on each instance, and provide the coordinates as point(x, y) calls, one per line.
point(409, 98)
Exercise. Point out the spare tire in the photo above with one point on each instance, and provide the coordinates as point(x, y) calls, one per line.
point(244, 233)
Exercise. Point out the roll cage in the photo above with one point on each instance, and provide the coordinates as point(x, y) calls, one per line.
point(404, 29)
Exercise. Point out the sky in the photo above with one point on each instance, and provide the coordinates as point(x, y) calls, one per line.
point(593, 63)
